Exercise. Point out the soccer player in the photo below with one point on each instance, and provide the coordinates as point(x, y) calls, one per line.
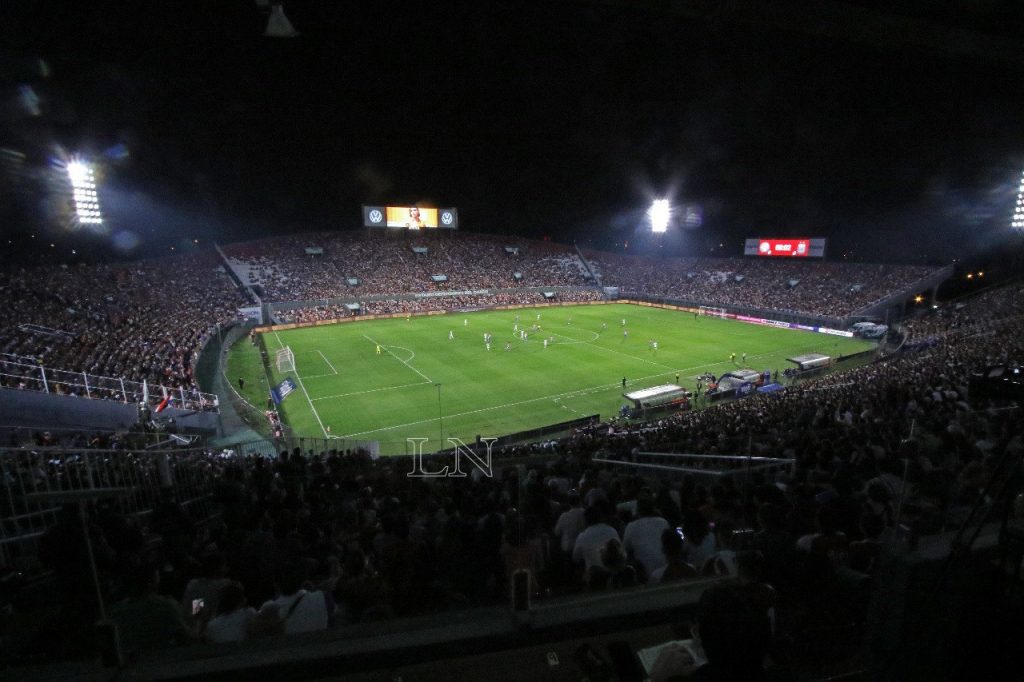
point(465, 323)
point(451, 335)
point(625, 334)
point(604, 326)
point(623, 382)
point(677, 377)
point(515, 327)
point(545, 343)
point(488, 344)
point(654, 346)
point(744, 356)
point(732, 358)
point(538, 317)
point(623, 322)
point(378, 349)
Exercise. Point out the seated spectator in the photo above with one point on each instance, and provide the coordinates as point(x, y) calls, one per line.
point(234, 619)
point(723, 562)
point(614, 571)
point(675, 567)
point(700, 541)
point(864, 552)
point(734, 633)
point(147, 620)
point(199, 602)
point(828, 542)
point(297, 609)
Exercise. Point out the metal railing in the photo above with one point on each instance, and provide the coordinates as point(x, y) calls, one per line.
point(711, 466)
point(153, 477)
point(16, 373)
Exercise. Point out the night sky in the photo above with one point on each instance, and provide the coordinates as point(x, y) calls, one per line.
point(560, 119)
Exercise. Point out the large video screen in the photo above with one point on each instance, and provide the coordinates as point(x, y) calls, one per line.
point(788, 248)
point(410, 217)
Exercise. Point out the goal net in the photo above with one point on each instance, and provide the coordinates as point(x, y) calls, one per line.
point(285, 360)
point(712, 312)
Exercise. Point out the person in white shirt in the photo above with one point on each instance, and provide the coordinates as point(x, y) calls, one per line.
point(570, 524)
point(642, 537)
point(299, 610)
point(589, 543)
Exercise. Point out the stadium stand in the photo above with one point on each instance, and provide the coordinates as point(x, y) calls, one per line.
point(821, 288)
point(141, 321)
point(360, 541)
point(898, 443)
point(385, 264)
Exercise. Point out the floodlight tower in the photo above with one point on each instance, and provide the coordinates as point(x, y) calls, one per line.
point(660, 213)
point(83, 187)
point(1018, 211)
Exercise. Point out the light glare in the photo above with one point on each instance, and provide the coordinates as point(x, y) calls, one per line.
point(660, 212)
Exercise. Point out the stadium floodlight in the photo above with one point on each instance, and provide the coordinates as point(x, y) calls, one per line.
point(1018, 212)
point(660, 212)
point(83, 191)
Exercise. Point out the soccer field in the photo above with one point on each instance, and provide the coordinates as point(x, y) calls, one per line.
point(421, 383)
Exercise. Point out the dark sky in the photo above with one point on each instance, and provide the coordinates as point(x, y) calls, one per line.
point(552, 118)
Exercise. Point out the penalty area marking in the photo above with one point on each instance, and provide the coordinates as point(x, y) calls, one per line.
point(373, 390)
point(553, 397)
point(305, 392)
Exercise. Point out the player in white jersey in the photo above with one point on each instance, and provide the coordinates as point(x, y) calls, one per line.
point(451, 335)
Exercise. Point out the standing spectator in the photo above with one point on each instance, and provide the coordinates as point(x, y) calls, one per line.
point(642, 537)
point(590, 543)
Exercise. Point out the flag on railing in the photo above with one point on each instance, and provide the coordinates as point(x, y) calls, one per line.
point(165, 403)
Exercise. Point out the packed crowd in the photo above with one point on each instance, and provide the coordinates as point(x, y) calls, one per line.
point(421, 305)
point(810, 288)
point(385, 263)
point(314, 539)
point(138, 321)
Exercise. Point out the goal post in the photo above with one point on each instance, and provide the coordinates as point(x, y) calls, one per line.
point(285, 360)
point(711, 311)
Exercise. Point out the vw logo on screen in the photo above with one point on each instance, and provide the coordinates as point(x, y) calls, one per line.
point(375, 216)
point(447, 218)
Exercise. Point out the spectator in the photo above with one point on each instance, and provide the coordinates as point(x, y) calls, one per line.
point(235, 618)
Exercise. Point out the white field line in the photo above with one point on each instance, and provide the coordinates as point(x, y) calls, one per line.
point(399, 359)
point(617, 352)
point(372, 390)
point(308, 399)
point(328, 362)
point(579, 392)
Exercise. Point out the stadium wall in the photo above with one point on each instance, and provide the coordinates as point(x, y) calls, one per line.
point(413, 296)
point(385, 316)
point(759, 313)
point(48, 410)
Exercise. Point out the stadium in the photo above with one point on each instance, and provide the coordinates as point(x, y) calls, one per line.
point(646, 438)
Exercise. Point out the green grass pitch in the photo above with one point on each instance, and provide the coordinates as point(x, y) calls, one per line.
point(346, 386)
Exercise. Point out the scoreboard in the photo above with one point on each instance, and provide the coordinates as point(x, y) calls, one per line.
point(410, 217)
point(790, 248)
